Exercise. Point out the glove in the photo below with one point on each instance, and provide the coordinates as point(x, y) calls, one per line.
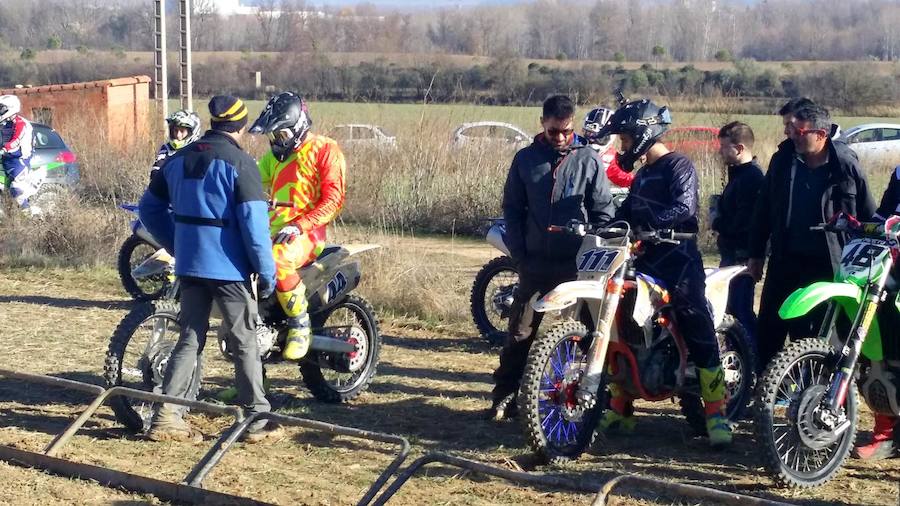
point(287, 234)
point(265, 287)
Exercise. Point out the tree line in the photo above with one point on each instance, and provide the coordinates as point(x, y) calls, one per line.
point(747, 86)
point(610, 30)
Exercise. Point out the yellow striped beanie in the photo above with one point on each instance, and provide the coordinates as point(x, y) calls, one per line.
point(227, 113)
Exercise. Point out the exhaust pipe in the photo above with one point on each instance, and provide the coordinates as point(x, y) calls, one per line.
point(331, 345)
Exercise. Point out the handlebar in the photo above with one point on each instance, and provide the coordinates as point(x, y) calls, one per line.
point(853, 228)
point(653, 236)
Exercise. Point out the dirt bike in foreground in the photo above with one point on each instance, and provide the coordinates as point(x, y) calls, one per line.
point(628, 335)
point(341, 363)
point(806, 405)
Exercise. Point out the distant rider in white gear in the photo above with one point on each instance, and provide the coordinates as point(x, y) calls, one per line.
point(183, 128)
point(16, 148)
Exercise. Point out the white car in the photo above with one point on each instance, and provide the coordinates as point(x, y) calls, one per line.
point(362, 135)
point(490, 133)
point(881, 140)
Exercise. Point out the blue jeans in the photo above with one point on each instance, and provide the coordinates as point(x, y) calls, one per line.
point(741, 294)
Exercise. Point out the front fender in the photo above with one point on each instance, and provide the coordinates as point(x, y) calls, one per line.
point(805, 299)
point(846, 295)
point(566, 294)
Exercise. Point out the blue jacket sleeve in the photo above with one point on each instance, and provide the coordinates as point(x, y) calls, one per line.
point(253, 220)
point(252, 213)
point(154, 212)
point(683, 192)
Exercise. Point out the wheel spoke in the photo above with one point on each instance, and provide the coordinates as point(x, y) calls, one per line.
point(557, 366)
point(546, 419)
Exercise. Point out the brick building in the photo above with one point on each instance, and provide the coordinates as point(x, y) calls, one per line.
point(118, 109)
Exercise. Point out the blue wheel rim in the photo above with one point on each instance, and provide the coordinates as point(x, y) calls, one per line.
point(557, 430)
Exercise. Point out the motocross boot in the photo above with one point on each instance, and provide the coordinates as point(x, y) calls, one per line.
point(712, 389)
point(620, 415)
point(882, 446)
point(299, 334)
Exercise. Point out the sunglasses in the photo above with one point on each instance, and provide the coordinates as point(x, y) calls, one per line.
point(555, 132)
point(800, 131)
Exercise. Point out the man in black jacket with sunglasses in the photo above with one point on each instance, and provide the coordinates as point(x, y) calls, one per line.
point(551, 182)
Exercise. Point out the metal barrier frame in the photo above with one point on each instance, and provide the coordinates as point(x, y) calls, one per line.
point(589, 486)
point(190, 489)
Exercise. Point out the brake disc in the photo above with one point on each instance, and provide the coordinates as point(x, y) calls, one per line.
point(813, 433)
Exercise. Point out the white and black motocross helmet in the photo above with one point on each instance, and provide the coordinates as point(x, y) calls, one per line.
point(644, 121)
point(285, 121)
point(9, 106)
point(594, 121)
point(183, 119)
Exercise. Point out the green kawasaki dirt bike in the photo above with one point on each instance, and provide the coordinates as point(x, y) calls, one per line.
point(806, 406)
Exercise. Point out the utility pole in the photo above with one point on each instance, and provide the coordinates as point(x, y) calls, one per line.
point(160, 62)
point(184, 54)
point(161, 71)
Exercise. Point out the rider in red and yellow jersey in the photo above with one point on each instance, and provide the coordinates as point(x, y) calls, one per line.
point(305, 175)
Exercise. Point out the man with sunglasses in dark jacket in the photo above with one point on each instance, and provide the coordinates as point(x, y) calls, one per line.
point(551, 182)
point(810, 179)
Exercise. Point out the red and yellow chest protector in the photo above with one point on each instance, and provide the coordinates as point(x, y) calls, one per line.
point(312, 178)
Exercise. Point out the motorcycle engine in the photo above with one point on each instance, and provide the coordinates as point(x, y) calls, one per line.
point(658, 367)
point(629, 331)
point(266, 338)
point(878, 385)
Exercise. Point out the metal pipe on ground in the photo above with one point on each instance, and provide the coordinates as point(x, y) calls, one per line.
point(589, 486)
point(196, 476)
point(176, 492)
point(234, 433)
point(63, 438)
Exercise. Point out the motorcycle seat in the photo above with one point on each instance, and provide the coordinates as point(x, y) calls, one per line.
point(329, 249)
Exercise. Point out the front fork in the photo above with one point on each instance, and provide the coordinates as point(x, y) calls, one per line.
point(846, 364)
point(596, 363)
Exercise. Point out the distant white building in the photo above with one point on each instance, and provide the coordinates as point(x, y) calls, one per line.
point(222, 7)
point(227, 8)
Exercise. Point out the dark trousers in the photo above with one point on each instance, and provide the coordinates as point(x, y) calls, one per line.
point(524, 321)
point(741, 298)
point(239, 312)
point(783, 277)
point(681, 269)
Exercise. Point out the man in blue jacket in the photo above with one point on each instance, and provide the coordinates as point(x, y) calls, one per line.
point(218, 227)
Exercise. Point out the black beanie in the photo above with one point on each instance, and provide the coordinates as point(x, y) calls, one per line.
point(227, 113)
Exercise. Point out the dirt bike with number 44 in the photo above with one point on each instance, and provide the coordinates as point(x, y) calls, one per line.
point(340, 365)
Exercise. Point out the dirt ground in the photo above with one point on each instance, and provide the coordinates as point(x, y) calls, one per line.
point(432, 383)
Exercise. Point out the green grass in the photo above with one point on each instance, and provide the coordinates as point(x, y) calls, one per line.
point(404, 118)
